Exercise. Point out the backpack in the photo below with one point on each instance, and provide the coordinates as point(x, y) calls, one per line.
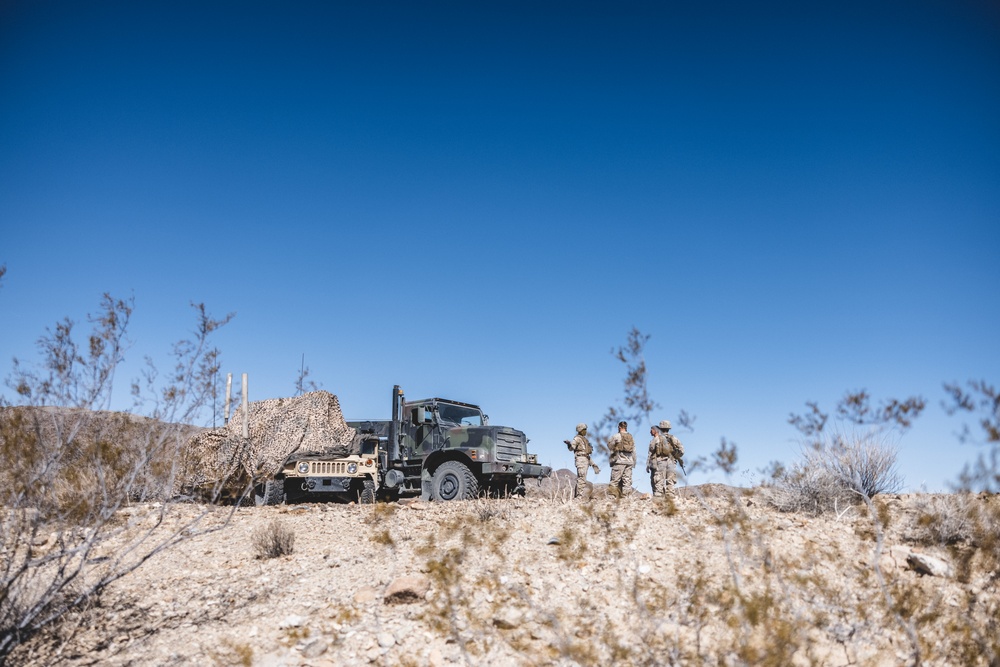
point(587, 448)
point(627, 443)
point(669, 446)
point(662, 447)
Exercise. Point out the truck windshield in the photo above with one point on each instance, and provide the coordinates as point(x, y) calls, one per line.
point(457, 414)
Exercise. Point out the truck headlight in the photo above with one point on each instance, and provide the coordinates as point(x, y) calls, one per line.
point(352, 468)
point(304, 467)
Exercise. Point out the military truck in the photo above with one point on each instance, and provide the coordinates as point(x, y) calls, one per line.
point(436, 448)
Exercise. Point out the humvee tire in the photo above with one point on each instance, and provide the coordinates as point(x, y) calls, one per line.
point(367, 496)
point(454, 481)
point(271, 492)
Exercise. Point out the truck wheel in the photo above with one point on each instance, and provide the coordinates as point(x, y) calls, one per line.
point(454, 481)
point(367, 496)
point(271, 492)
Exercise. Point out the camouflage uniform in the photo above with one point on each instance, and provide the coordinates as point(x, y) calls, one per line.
point(622, 447)
point(580, 447)
point(664, 451)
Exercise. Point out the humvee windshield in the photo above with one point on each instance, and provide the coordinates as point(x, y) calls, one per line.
point(457, 414)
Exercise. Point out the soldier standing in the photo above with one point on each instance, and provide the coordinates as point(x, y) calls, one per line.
point(665, 451)
point(622, 447)
point(582, 450)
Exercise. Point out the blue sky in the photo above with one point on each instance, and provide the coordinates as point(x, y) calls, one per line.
point(479, 200)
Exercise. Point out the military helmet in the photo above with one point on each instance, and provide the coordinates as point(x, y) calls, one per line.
point(664, 425)
point(581, 428)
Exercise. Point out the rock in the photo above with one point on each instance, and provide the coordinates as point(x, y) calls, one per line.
point(895, 557)
point(292, 621)
point(407, 589)
point(314, 648)
point(365, 594)
point(924, 564)
point(508, 618)
point(386, 640)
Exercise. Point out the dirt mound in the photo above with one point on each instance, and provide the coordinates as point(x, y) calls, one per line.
point(308, 424)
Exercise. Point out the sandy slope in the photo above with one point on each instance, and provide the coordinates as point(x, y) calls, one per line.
point(538, 580)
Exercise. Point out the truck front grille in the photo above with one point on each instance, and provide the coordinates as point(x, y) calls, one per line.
point(327, 468)
point(510, 446)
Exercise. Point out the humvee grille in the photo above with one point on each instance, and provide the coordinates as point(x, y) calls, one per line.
point(510, 446)
point(328, 467)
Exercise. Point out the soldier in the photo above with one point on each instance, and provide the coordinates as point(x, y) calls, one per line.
point(665, 451)
point(582, 450)
point(622, 447)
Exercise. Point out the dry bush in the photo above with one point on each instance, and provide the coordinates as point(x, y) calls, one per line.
point(489, 509)
point(273, 540)
point(944, 520)
point(836, 473)
point(71, 466)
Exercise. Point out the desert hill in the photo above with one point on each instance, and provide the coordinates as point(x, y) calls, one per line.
point(718, 577)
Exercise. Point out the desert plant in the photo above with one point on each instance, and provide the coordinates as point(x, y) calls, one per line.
point(984, 399)
point(836, 472)
point(71, 465)
point(273, 540)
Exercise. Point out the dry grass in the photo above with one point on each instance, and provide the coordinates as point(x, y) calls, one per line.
point(273, 541)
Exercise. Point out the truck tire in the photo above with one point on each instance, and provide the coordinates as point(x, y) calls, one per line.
point(271, 492)
point(367, 496)
point(454, 481)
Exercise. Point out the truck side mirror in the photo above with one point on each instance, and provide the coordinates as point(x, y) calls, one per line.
point(419, 415)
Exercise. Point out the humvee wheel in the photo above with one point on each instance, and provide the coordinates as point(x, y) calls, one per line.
point(367, 496)
point(271, 492)
point(454, 481)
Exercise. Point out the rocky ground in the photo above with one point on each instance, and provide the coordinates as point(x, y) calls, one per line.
point(718, 578)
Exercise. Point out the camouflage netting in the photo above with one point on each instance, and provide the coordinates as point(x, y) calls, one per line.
point(308, 424)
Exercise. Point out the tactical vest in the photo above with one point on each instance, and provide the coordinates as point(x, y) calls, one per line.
point(668, 446)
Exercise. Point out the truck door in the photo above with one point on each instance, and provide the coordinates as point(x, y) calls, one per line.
point(427, 432)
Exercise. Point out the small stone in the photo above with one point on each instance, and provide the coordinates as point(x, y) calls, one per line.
point(508, 618)
point(924, 564)
point(386, 640)
point(365, 594)
point(292, 621)
point(644, 569)
point(314, 648)
point(408, 589)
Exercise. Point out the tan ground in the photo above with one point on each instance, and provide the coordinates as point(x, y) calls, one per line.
point(545, 580)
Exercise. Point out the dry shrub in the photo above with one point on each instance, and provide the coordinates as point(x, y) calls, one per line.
point(71, 468)
point(272, 541)
point(836, 473)
point(488, 509)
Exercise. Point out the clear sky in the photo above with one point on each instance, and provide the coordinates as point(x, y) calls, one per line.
point(478, 200)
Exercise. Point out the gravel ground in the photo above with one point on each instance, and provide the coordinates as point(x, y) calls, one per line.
point(537, 580)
